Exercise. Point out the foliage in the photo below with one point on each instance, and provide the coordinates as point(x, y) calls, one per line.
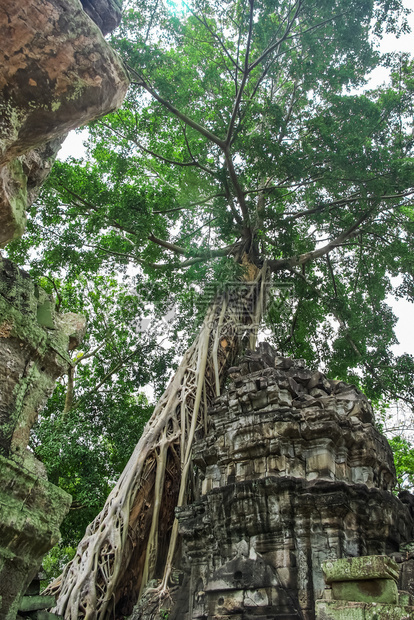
point(54, 562)
point(404, 462)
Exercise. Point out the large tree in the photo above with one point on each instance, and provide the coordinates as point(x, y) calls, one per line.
point(246, 150)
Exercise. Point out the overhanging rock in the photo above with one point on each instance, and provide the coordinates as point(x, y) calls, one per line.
point(57, 73)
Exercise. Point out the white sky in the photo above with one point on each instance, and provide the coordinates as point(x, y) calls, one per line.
point(73, 146)
point(402, 308)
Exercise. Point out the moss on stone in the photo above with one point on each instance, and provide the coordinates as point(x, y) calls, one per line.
point(32, 510)
point(365, 567)
point(34, 343)
point(366, 591)
point(342, 610)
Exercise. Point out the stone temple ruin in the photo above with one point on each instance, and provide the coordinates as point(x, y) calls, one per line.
point(294, 514)
point(292, 475)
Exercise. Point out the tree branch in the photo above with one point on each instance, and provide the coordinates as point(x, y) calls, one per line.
point(169, 246)
point(239, 93)
point(166, 160)
point(192, 204)
point(191, 261)
point(89, 205)
point(215, 36)
point(302, 259)
point(285, 37)
point(238, 190)
point(196, 162)
point(188, 121)
point(328, 260)
point(85, 356)
point(340, 202)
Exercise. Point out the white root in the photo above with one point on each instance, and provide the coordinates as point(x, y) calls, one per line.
point(151, 556)
point(132, 516)
point(215, 347)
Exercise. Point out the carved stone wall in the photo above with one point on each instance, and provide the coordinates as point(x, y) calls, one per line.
point(292, 473)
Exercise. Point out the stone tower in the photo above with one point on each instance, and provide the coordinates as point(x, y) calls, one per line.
point(292, 473)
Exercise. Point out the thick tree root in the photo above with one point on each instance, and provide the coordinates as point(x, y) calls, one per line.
point(126, 535)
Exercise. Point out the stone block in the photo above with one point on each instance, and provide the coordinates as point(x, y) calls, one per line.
point(33, 603)
point(344, 610)
point(365, 567)
point(366, 591)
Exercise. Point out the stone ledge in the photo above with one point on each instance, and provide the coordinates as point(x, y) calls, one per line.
point(343, 610)
point(365, 567)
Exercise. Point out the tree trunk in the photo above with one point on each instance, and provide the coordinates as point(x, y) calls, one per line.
point(134, 538)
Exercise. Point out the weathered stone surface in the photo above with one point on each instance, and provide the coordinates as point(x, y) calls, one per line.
point(105, 13)
point(20, 182)
point(366, 580)
point(13, 196)
point(33, 603)
point(268, 424)
point(291, 526)
point(366, 591)
point(367, 567)
point(33, 588)
point(405, 562)
point(31, 512)
point(72, 325)
point(338, 610)
point(57, 73)
point(291, 474)
point(34, 342)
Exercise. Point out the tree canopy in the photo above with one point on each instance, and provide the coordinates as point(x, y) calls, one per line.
point(248, 137)
point(245, 124)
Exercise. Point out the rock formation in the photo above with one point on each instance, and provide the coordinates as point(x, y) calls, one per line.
point(34, 343)
point(57, 73)
point(292, 473)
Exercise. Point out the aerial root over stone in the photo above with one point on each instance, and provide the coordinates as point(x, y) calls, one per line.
point(135, 536)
